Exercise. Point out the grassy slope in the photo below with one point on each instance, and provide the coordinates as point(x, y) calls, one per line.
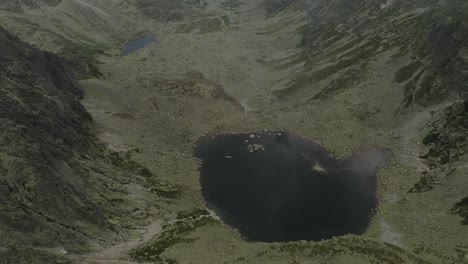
point(336, 79)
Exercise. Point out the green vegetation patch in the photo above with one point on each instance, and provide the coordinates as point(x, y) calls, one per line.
point(448, 138)
point(78, 55)
point(405, 73)
point(205, 25)
point(291, 61)
point(194, 214)
point(123, 115)
point(345, 47)
point(382, 252)
point(354, 57)
point(174, 233)
point(352, 76)
point(20, 255)
point(410, 89)
point(461, 208)
point(425, 184)
point(154, 185)
point(232, 4)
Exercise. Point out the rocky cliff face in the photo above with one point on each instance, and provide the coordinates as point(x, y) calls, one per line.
point(58, 187)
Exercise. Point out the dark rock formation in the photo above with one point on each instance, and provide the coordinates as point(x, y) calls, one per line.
point(447, 139)
point(56, 186)
point(461, 208)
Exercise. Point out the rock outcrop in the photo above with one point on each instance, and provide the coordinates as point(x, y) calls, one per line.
point(349, 34)
point(58, 187)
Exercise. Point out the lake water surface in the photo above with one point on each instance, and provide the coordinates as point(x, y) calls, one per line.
point(137, 44)
point(277, 186)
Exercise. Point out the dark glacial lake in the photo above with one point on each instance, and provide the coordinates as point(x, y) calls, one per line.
point(137, 44)
point(277, 186)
